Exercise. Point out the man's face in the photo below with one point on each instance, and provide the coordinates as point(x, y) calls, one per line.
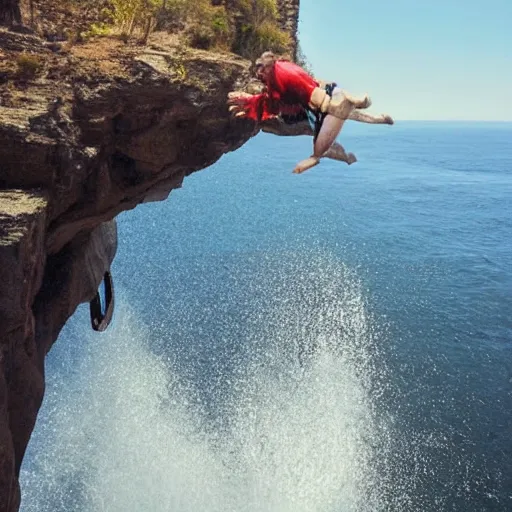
point(262, 72)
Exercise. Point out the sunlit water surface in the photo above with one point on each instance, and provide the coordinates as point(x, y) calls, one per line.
point(336, 341)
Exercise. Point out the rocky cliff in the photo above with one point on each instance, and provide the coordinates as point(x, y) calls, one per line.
point(289, 19)
point(84, 135)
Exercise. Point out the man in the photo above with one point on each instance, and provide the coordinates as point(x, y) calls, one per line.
point(291, 94)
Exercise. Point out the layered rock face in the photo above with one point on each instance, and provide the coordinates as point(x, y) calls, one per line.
point(103, 127)
point(22, 264)
point(104, 135)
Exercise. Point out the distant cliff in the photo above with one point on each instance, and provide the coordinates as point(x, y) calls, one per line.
point(85, 134)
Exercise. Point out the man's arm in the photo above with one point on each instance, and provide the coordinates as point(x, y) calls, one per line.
point(259, 107)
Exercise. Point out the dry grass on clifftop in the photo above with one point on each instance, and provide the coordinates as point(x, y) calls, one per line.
point(85, 38)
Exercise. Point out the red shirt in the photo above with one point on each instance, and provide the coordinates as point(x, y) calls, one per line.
point(289, 90)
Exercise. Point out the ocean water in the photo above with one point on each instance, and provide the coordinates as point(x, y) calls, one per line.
point(336, 341)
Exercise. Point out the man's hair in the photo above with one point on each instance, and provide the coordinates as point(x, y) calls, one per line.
point(266, 59)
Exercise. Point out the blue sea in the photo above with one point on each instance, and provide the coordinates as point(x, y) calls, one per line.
point(336, 341)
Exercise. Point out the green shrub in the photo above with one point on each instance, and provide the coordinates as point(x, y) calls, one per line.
point(264, 10)
point(28, 66)
point(269, 36)
point(247, 27)
point(211, 27)
point(99, 29)
point(258, 30)
point(127, 15)
point(220, 25)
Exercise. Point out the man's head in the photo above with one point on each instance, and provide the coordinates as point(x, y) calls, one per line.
point(264, 65)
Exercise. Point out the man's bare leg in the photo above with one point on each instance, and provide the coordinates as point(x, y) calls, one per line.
point(337, 152)
point(364, 117)
point(331, 127)
point(278, 127)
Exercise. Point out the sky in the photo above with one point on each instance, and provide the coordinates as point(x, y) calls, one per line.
point(428, 60)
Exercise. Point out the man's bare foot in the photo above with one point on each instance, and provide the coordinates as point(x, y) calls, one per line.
point(388, 119)
point(344, 106)
point(363, 103)
point(351, 158)
point(360, 102)
point(306, 164)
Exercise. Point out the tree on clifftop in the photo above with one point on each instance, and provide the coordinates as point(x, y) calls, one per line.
point(10, 13)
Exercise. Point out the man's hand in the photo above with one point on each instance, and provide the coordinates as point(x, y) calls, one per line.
point(237, 101)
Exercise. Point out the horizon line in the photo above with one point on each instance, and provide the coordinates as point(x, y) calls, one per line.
point(456, 120)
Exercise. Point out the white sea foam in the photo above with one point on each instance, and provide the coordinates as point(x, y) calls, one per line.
point(129, 432)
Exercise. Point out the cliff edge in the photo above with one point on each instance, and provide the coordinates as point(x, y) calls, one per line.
point(85, 134)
